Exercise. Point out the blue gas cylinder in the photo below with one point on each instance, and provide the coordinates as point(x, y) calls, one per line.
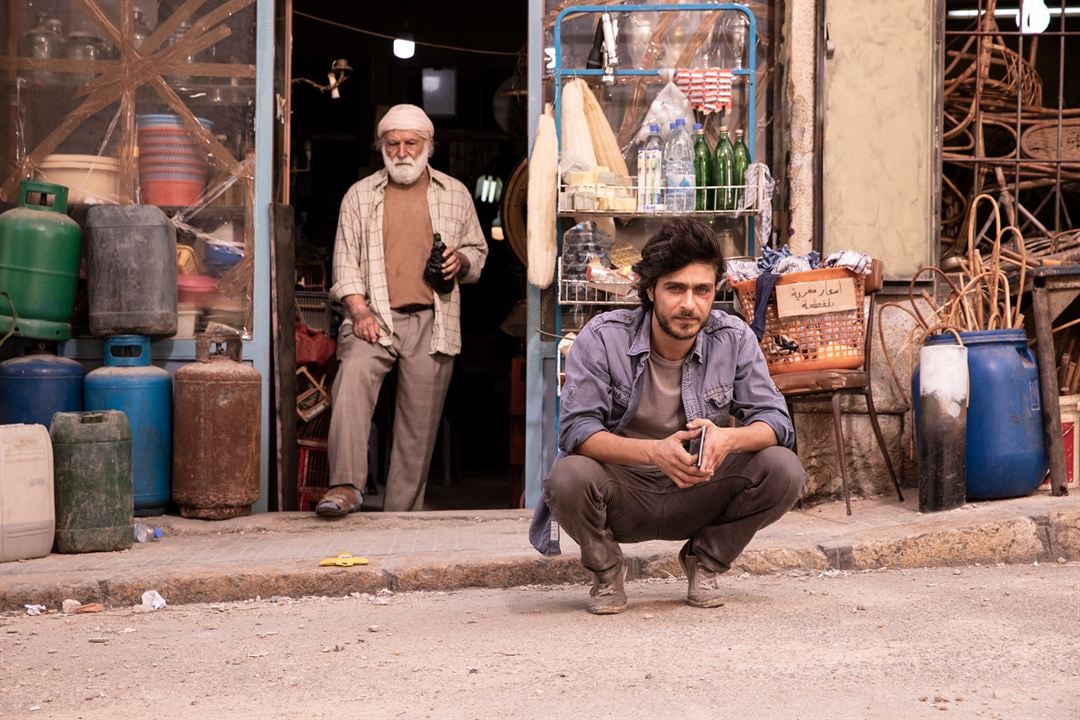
point(129, 383)
point(1006, 455)
point(38, 384)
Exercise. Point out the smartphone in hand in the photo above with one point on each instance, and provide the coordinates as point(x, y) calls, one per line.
point(701, 445)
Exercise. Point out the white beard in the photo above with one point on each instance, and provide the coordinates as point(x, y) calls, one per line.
point(406, 171)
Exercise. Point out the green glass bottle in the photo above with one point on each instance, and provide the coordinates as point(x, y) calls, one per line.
point(703, 161)
point(742, 161)
point(723, 172)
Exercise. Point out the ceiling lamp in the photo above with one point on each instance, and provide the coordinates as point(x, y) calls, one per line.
point(404, 46)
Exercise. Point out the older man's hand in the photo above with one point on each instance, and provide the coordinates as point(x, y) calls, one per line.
point(365, 325)
point(454, 264)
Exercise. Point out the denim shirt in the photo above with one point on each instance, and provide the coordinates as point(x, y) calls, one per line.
point(724, 375)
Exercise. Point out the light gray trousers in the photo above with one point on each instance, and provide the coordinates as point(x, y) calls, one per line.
point(422, 381)
point(600, 505)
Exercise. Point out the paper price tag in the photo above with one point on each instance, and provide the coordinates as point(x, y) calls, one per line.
point(815, 298)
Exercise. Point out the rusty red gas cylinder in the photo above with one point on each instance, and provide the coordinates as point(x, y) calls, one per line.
point(217, 403)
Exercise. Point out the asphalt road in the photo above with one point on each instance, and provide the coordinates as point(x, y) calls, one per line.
point(974, 642)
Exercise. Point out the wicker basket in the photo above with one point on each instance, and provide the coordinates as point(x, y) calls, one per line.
point(1041, 140)
point(828, 341)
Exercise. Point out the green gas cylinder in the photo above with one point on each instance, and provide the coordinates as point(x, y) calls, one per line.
point(93, 484)
point(40, 251)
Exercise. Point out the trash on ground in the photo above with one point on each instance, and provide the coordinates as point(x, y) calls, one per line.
point(34, 609)
point(70, 606)
point(152, 600)
point(344, 559)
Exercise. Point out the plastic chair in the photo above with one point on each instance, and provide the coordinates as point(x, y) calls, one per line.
point(818, 384)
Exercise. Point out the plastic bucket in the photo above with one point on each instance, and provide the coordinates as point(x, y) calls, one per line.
point(195, 290)
point(166, 120)
point(171, 193)
point(90, 179)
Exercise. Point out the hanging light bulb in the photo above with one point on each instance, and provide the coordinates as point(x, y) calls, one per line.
point(404, 46)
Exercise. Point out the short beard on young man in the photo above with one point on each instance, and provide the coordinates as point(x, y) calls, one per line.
point(406, 170)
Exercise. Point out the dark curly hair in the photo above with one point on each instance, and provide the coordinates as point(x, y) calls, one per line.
point(678, 243)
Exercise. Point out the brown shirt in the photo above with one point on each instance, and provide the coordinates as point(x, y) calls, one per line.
point(407, 238)
point(660, 411)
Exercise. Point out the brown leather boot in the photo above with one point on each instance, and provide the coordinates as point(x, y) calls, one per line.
point(701, 589)
point(608, 595)
point(339, 501)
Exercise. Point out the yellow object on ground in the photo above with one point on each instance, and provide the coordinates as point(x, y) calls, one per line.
point(344, 559)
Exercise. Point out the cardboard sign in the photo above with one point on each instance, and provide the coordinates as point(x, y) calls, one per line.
point(815, 298)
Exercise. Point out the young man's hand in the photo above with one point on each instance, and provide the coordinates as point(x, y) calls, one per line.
point(671, 457)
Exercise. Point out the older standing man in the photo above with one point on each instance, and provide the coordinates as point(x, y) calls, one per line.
point(394, 317)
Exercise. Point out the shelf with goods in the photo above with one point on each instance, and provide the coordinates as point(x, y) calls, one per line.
point(127, 102)
point(77, 108)
point(605, 196)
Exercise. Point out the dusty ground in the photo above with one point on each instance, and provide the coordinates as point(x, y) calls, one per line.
point(993, 642)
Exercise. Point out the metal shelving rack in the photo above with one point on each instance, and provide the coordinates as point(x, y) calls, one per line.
point(541, 349)
point(607, 295)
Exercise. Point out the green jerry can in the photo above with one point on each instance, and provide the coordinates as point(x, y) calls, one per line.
point(93, 485)
point(40, 252)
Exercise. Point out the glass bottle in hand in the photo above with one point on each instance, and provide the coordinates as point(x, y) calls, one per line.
point(433, 273)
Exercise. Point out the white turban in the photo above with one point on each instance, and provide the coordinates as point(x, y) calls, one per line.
point(406, 117)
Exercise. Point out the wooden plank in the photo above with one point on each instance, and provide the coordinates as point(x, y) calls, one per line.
point(1048, 386)
point(283, 357)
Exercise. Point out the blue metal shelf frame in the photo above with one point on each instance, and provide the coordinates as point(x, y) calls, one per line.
point(750, 73)
point(541, 426)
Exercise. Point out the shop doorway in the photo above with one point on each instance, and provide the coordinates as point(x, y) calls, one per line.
point(479, 54)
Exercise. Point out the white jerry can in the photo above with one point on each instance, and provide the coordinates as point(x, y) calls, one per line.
point(27, 510)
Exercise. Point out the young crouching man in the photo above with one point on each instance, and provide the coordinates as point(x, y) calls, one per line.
point(641, 387)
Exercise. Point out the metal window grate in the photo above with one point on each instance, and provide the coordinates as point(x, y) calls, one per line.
point(1011, 125)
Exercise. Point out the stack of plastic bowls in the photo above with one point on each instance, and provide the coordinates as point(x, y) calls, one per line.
point(173, 166)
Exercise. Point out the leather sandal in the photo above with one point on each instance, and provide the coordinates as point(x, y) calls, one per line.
point(339, 501)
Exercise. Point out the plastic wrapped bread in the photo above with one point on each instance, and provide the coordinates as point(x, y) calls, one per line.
point(543, 191)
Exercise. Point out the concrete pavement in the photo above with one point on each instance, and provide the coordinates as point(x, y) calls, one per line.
point(278, 553)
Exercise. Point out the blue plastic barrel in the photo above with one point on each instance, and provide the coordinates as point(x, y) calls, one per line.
point(129, 383)
point(37, 385)
point(1006, 456)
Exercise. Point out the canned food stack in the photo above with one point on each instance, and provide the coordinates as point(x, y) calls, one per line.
point(173, 166)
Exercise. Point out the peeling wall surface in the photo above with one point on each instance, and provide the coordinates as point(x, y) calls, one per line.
point(879, 90)
point(801, 32)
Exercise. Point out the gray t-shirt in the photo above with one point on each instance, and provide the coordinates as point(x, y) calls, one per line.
point(660, 411)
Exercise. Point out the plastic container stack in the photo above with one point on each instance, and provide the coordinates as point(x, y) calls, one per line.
point(173, 167)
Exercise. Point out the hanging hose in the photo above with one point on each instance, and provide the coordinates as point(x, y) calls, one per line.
point(14, 318)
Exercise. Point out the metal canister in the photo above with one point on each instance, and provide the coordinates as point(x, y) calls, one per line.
point(131, 270)
point(92, 466)
point(217, 402)
point(129, 383)
point(40, 251)
point(38, 384)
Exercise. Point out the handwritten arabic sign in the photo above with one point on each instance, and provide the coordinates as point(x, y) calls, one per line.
point(815, 298)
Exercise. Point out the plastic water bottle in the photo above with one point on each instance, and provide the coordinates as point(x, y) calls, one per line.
point(145, 533)
point(679, 170)
point(704, 199)
point(650, 175)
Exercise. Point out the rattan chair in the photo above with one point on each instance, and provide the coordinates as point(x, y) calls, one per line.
point(820, 384)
